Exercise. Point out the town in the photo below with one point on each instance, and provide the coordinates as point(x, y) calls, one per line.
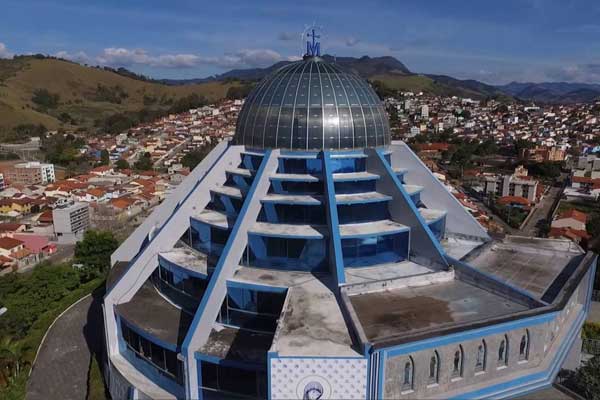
point(45, 210)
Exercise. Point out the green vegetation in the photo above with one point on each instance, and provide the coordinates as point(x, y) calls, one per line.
point(104, 157)
point(513, 216)
point(239, 92)
point(35, 299)
point(144, 163)
point(193, 158)
point(586, 380)
point(63, 150)
point(58, 93)
point(23, 132)
point(591, 330)
point(93, 252)
point(122, 164)
point(45, 99)
point(545, 170)
point(96, 387)
point(111, 94)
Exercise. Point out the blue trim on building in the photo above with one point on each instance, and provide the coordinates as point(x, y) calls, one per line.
point(256, 287)
point(411, 204)
point(333, 222)
point(132, 262)
point(170, 265)
point(145, 335)
point(528, 382)
point(219, 267)
point(469, 335)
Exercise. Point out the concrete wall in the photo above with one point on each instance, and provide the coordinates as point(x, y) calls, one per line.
point(165, 239)
point(545, 340)
point(435, 195)
point(215, 294)
point(133, 243)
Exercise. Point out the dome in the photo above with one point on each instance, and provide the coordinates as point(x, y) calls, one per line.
point(312, 105)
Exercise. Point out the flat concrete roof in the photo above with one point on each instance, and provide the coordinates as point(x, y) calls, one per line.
point(391, 313)
point(374, 228)
point(228, 191)
point(528, 263)
point(152, 313)
point(458, 247)
point(187, 258)
point(215, 218)
point(429, 214)
point(237, 344)
point(312, 323)
point(366, 197)
point(271, 277)
point(353, 176)
point(289, 230)
point(384, 271)
point(303, 199)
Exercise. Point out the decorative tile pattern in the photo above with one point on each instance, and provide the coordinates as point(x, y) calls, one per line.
point(318, 378)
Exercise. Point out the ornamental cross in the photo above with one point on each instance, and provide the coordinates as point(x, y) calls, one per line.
point(314, 48)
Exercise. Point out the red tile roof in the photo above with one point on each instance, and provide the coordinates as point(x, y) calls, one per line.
point(575, 214)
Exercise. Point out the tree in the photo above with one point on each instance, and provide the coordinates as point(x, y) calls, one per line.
point(104, 157)
point(144, 163)
point(593, 225)
point(94, 253)
point(122, 164)
point(193, 158)
point(45, 99)
point(11, 359)
point(586, 380)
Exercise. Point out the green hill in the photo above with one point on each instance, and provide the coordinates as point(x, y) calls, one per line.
point(58, 93)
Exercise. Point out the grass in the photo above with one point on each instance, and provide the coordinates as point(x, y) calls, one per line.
point(31, 342)
point(421, 83)
point(76, 86)
point(96, 386)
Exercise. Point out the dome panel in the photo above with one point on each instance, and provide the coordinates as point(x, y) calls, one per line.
point(312, 105)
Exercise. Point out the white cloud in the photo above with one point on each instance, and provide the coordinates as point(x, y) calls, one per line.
point(123, 57)
point(352, 41)
point(79, 57)
point(4, 53)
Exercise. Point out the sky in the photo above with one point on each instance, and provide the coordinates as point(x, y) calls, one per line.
point(492, 41)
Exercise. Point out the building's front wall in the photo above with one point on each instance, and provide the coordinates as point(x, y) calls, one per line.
point(547, 334)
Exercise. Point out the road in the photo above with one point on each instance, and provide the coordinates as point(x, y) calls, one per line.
point(61, 368)
point(541, 212)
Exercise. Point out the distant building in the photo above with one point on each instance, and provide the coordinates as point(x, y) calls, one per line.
point(541, 154)
point(71, 222)
point(31, 173)
point(518, 184)
point(2, 184)
point(425, 111)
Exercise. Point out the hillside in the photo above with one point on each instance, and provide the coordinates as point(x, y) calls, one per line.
point(86, 96)
point(553, 92)
point(438, 85)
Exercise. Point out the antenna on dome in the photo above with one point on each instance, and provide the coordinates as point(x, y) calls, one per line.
point(313, 49)
point(310, 37)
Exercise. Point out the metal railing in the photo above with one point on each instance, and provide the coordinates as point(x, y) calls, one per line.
point(590, 346)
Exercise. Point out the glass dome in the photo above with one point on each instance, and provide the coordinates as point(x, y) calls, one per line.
point(312, 105)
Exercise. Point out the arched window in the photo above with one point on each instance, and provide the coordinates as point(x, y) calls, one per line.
point(524, 346)
point(481, 357)
point(457, 365)
point(434, 367)
point(407, 380)
point(503, 351)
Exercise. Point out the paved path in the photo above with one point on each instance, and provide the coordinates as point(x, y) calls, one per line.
point(540, 212)
point(61, 368)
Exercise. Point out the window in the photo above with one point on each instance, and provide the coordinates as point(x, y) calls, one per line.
point(524, 346)
point(457, 365)
point(434, 367)
point(164, 360)
point(407, 379)
point(245, 382)
point(503, 352)
point(481, 357)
